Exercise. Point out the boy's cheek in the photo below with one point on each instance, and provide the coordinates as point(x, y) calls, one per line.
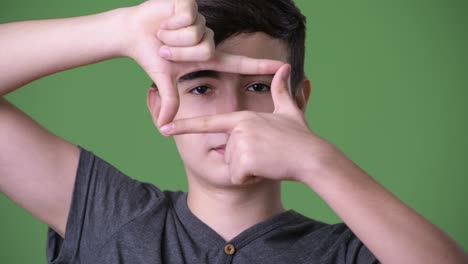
point(192, 108)
point(188, 145)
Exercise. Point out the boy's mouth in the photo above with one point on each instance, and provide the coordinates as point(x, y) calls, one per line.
point(220, 149)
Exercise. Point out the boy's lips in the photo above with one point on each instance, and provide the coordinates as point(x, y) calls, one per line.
point(220, 149)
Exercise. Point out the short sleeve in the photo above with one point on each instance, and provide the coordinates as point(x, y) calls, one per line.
point(103, 200)
point(335, 243)
point(358, 253)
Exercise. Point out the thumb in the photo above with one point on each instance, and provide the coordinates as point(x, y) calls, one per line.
point(281, 91)
point(169, 98)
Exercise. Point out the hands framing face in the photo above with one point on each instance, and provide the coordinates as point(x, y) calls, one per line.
point(277, 145)
point(269, 145)
point(182, 42)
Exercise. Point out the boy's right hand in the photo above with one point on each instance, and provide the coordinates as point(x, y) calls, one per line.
point(167, 30)
point(168, 37)
point(66, 43)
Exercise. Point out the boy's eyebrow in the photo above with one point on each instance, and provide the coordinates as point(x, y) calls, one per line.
point(210, 74)
point(198, 74)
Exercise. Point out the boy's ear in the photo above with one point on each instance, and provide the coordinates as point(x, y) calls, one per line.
point(302, 94)
point(153, 101)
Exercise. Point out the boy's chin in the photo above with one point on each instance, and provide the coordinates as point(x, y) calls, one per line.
point(215, 174)
point(219, 177)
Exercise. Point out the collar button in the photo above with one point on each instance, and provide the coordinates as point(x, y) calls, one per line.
point(229, 249)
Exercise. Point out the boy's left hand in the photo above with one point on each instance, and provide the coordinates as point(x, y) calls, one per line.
point(277, 146)
point(280, 146)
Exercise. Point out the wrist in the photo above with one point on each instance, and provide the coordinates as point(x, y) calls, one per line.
point(115, 34)
point(311, 164)
point(327, 167)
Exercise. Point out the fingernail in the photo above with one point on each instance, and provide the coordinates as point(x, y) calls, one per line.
point(159, 34)
point(163, 25)
point(165, 52)
point(166, 129)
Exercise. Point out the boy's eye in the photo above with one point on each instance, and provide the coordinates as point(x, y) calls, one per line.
point(200, 90)
point(259, 87)
point(256, 87)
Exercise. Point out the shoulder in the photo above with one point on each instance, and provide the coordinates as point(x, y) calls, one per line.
point(331, 243)
point(112, 195)
point(105, 201)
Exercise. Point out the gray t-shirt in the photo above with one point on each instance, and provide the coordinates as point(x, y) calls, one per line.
point(116, 219)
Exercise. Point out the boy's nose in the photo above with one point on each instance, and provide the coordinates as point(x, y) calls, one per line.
point(231, 102)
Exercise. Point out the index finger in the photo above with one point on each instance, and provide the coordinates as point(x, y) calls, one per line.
point(220, 123)
point(247, 65)
point(225, 62)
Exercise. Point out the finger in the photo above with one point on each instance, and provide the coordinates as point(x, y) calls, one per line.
point(238, 172)
point(157, 109)
point(236, 176)
point(185, 14)
point(204, 51)
point(243, 65)
point(169, 98)
point(185, 37)
point(235, 171)
point(249, 179)
point(281, 90)
point(221, 123)
point(230, 148)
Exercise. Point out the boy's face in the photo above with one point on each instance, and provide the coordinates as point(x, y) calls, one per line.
point(210, 92)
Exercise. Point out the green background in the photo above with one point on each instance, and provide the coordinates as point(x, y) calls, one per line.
point(389, 89)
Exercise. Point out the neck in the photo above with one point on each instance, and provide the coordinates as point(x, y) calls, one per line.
point(230, 211)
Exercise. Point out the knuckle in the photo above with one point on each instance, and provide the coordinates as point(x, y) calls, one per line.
point(237, 130)
point(251, 115)
point(209, 32)
point(258, 67)
point(178, 54)
point(192, 36)
point(261, 67)
point(200, 33)
point(206, 52)
point(186, 18)
point(244, 127)
point(162, 34)
point(250, 125)
point(194, 5)
point(202, 20)
point(192, 15)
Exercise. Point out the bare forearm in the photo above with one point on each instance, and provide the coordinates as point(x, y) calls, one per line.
point(391, 230)
point(30, 50)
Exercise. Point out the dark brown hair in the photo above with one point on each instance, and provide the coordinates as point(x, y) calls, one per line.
point(280, 19)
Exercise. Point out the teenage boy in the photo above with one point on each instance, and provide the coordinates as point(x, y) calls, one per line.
point(238, 140)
